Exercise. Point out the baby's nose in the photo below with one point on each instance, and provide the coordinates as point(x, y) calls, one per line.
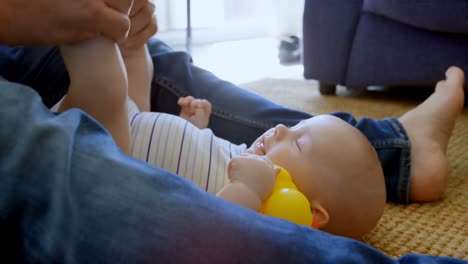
point(280, 131)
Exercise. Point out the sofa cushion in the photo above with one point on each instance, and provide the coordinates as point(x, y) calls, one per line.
point(436, 15)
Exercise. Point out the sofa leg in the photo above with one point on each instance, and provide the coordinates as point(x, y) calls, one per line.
point(326, 88)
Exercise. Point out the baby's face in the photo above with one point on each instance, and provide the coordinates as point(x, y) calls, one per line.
point(305, 148)
point(335, 166)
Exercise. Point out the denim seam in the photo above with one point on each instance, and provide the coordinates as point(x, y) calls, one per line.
point(405, 162)
point(403, 143)
point(215, 111)
point(405, 179)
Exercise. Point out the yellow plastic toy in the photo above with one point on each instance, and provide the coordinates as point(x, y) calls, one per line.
point(287, 202)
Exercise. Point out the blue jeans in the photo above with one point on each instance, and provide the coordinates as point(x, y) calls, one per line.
point(238, 115)
point(69, 195)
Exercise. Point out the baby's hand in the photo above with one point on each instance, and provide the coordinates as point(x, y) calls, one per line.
point(256, 172)
point(196, 111)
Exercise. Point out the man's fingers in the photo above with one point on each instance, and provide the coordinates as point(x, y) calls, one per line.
point(122, 6)
point(143, 18)
point(114, 22)
point(140, 38)
point(138, 5)
point(114, 25)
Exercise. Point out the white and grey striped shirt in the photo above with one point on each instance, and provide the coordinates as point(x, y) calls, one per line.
point(173, 143)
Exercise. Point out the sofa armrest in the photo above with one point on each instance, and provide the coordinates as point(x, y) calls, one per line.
point(329, 27)
point(435, 15)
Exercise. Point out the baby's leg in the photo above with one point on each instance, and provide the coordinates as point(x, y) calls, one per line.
point(197, 111)
point(98, 85)
point(139, 67)
point(430, 127)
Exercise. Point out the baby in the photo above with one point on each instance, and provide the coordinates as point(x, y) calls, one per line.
point(330, 161)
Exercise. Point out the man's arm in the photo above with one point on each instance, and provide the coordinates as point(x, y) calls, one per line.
point(57, 22)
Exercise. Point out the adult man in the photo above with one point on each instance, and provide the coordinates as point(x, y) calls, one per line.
point(67, 193)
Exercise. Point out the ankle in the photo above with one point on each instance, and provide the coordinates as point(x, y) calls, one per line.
point(429, 183)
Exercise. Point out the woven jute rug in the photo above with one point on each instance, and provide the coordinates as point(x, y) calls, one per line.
point(437, 228)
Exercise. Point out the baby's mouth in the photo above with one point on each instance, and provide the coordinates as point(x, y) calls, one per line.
point(257, 148)
point(260, 147)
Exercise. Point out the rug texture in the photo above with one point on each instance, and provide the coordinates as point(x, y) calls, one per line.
point(438, 228)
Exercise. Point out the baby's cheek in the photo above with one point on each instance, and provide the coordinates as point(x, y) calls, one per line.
point(283, 157)
point(277, 158)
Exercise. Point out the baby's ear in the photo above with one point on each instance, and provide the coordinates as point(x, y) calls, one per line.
point(320, 214)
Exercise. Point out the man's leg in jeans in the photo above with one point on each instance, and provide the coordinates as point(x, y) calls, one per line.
point(241, 116)
point(39, 68)
point(69, 195)
point(237, 115)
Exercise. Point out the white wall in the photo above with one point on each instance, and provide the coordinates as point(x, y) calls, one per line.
point(232, 19)
point(289, 17)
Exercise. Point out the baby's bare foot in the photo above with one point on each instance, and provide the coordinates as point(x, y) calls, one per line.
point(430, 126)
point(196, 111)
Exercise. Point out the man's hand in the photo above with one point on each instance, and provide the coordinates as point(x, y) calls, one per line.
point(57, 22)
point(143, 25)
point(257, 172)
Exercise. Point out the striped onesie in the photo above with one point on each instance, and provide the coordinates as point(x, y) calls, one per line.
point(173, 143)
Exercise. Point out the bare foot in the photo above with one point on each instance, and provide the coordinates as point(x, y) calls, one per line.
point(196, 111)
point(430, 126)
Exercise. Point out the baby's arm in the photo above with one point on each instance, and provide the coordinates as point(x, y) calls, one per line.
point(252, 179)
point(98, 85)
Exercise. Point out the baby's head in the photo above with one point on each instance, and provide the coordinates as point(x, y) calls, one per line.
point(335, 166)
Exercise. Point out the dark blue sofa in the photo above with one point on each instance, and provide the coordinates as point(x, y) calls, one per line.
point(358, 43)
